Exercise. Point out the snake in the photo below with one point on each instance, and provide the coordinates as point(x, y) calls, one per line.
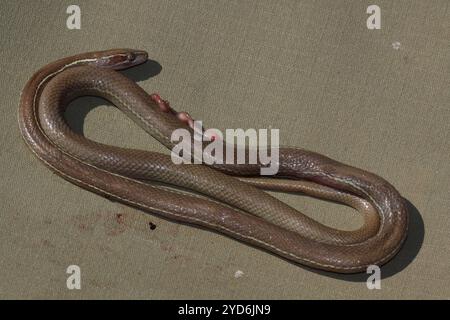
point(229, 198)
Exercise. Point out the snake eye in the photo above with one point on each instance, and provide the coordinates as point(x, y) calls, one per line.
point(131, 56)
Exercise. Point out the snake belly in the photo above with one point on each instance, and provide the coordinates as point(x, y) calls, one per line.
point(228, 199)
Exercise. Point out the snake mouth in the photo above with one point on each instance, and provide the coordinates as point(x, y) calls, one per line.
point(139, 56)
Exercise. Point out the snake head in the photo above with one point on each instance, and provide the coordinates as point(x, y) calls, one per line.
point(119, 59)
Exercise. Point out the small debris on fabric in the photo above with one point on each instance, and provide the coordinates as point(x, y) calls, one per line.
point(238, 274)
point(396, 45)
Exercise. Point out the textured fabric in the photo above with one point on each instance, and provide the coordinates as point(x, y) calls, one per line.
point(375, 99)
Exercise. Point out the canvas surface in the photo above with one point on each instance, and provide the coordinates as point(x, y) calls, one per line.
point(375, 99)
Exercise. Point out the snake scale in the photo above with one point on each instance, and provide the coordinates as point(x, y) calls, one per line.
point(226, 198)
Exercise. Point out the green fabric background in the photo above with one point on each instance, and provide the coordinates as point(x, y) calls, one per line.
point(310, 68)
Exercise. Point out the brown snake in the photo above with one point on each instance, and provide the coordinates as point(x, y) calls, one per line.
point(225, 198)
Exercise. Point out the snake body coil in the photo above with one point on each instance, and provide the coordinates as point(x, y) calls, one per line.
point(228, 198)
